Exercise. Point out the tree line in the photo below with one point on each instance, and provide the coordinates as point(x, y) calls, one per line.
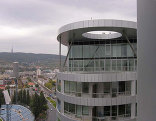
point(36, 102)
point(2, 100)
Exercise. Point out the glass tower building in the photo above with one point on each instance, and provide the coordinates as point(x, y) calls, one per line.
point(98, 80)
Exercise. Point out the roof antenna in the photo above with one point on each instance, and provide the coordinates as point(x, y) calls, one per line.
point(12, 48)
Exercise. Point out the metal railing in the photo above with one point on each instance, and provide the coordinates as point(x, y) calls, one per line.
point(98, 95)
point(97, 118)
point(97, 69)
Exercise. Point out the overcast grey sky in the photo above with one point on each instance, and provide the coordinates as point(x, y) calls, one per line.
point(32, 25)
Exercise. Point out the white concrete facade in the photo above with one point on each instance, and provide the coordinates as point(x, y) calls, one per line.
point(97, 86)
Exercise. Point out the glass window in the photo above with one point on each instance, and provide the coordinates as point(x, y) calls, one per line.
point(108, 50)
point(124, 65)
point(79, 89)
point(102, 64)
point(78, 110)
point(118, 50)
point(119, 65)
point(85, 87)
point(85, 110)
point(114, 89)
point(97, 65)
point(72, 108)
point(135, 47)
point(81, 63)
point(59, 85)
point(66, 86)
point(107, 65)
point(121, 86)
point(107, 87)
point(77, 51)
point(121, 110)
point(101, 51)
point(59, 105)
point(131, 65)
point(106, 110)
point(114, 111)
point(114, 65)
point(128, 86)
point(128, 110)
point(72, 86)
point(124, 50)
point(66, 107)
point(114, 50)
point(129, 51)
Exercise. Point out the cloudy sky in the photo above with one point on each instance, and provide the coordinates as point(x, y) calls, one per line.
point(31, 25)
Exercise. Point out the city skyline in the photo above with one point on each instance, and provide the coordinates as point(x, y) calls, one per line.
point(32, 25)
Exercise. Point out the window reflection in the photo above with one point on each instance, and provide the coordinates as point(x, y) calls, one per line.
point(97, 90)
point(102, 57)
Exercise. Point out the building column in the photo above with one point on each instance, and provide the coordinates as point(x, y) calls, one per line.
point(62, 86)
point(133, 87)
point(90, 89)
point(146, 28)
point(90, 113)
point(133, 110)
point(62, 106)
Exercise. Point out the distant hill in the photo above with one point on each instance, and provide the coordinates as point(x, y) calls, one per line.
point(28, 57)
point(43, 59)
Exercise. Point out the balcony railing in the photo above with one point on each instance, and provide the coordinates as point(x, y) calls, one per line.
point(97, 118)
point(98, 95)
point(97, 69)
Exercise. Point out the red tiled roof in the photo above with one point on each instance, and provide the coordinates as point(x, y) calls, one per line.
point(3, 88)
point(31, 83)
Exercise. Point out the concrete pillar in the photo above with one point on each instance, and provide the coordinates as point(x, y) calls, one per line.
point(62, 86)
point(90, 113)
point(146, 60)
point(90, 89)
point(133, 87)
point(133, 110)
point(62, 106)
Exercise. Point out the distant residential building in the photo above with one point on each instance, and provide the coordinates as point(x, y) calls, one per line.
point(47, 71)
point(56, 70)
point(2, 87)
point(31, 84)
point(1, 82)
point(38, 72)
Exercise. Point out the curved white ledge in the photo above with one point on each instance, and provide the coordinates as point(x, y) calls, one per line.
point(75, 30)
point(97, 77)
point(119, 100)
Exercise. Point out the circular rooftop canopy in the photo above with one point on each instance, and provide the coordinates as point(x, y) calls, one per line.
point(17, 113)
point(87, 30)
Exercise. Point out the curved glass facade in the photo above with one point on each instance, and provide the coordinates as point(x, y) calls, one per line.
point(102, 56)
point(99, 113)
point(99, 90)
